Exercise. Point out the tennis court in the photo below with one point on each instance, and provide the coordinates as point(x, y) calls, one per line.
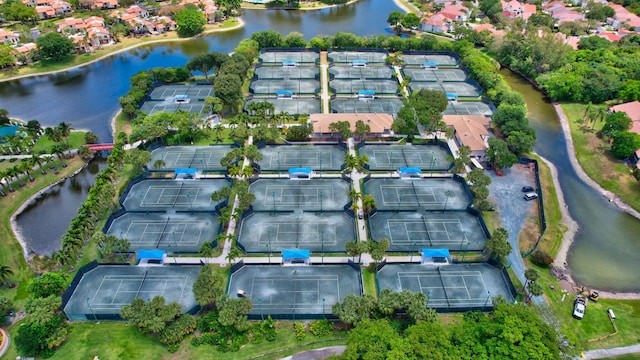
point(287, 195)
point(373, 57)
point(263, 232)
point(379, 105)
point(393, 157)
point(177, 232)
point(162, 195)
point(355, 86)
point(439, 59)
point(107, 288)
point(301, 57)
point(296, 292)
point(317, 157)
point(410, 231)
point(370, 72)
point(293, 106)
point(468, 108)
point(287, 72)
point(151, 107)
point(460, 88)
point(204, 158)
point(194, 92)
point(270, 87)
point(457, 286)
point(428, 193)
point(439, 75)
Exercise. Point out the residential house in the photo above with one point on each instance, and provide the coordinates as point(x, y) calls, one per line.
point(455, 13)
point(632, 109)
point(471, 131)
point(46, 12)
point(137, 11)
point(62, 8)
point(436, 24)
point(561, 13)
point(8, 38)
point(380, 124)
point(25, 52)
point(104, 4)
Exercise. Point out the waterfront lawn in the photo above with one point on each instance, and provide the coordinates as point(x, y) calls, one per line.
point(11, 254)
point(594, 157)
point(44, 144)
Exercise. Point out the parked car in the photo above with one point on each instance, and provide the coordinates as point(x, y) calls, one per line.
point(530, 196)
point(528, 188)
point(579, 307)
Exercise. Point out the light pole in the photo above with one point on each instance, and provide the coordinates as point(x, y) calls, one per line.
point(141, 196)
point(465, 250)
point(412, 250)
point(323, 315)
point(269, 245)
point(260, 306)
point(320, 202)
point(488, 297)
point(322, 242)
point(95, 318)
point(320, 168)
point(189, 198)
point(446, 200)
point(278, 162)
point(400, 198)
point(428, 297)
point(464, 237)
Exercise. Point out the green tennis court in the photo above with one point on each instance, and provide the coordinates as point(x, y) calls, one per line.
point(104, 290)
point(177, 232)
point(410, 231)
point(298, 292)
point(370, 72)
point(374, 57)
point(428, 193)
point(439, 75)
point(194, 92)
point(162, 195)
point(468, 108)
point(393, 157)
point(270, 87)
point(204, 158)
point(363, 106)
point(419, 59)
point(461, 88)
point(355, 86)
point(317, 157)
point(308, 195)
point(152, 107)
point(265, 232)
point(456, 286)
point(268, 56)
point(297, 105)
point(287, 72)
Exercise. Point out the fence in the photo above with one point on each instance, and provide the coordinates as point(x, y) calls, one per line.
point(543, 220)
point(76, 280)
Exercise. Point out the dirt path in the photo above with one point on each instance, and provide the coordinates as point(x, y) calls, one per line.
point(571, 224)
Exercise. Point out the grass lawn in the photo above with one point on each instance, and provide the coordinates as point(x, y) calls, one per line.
point(76, 138)
point(115, 340)
point(593, 156)
point(11, 254)
point(69, 61)
point(369, 282)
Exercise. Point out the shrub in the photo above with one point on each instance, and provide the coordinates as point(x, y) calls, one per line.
point(175, 332)
point(321, 327)
point(541, 258)
point(300, 331)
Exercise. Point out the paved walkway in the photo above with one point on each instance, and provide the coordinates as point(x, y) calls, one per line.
point(612, 352)
point(318, 354)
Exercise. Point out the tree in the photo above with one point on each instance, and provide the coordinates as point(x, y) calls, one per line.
point(190, 22)
point(91, 138)
point(376, 340)
point(65, 131)
point(430, 340)
point(176, 331)
point(229, 6)
point(137, 158)
point(233, 312)
point(498, 243)
point(462, 160)
point(47, 284)
point(209, 287)
point(214, 105)
point(530, 275)
point(535, 289)
point(615, 123)
point(394, 18)
point(5, 273)
point(151, 317)
point(355, 309)
point(205, 63)
point(228, 87)
point(625, 144)
point(410, 21)
point(368, 203)
point(520, 142)
point(267, 38)
point(378, 249)
point(343, 128)
point(54, 45)
point(299, 133)
point(362, 129)
point(43, 329)
point(7, 57)
point(294, 40)
point(499, 154)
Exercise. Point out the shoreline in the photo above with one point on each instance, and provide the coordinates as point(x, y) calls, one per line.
point(402, 6)
point(27, 253)
point(572, 226)
point(326, 6)
point(105, 56)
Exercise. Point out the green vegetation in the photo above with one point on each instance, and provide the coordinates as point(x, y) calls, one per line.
point(369, 282)
point(595, 160)
point(45, 144)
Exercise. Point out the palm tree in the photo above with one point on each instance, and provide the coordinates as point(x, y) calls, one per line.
point(233, 254)
point(4, 182)
point(159, 164)
point(65, 131)
point(36, 161)
point(218, 130)
point(368, 203)
point(26, 168)
point(5, 272)
point(12, 173)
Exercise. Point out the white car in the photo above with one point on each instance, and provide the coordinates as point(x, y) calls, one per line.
point(579, 307)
